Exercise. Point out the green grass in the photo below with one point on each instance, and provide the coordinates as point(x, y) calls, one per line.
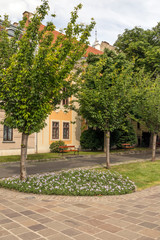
point(143, 174)
point(41, 156)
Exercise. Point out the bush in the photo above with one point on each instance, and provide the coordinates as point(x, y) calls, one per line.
point(120, 136)
point(92, 139)
point(54, 147)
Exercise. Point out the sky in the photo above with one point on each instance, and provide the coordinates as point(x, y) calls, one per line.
point(112, 16)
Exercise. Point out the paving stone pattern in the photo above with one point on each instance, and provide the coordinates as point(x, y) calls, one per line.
point(29, 216)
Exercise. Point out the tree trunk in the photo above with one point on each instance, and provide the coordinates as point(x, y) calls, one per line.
point(23, 172)
point(154, 147)
point(107, 134)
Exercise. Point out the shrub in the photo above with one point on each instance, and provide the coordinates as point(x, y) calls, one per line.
point(92, 139)
point(127, 135)
point(54, 147)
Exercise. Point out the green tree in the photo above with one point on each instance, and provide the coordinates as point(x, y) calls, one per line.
point(143, 46)
point(34, 67)
point(147, 106)
point(103, 93)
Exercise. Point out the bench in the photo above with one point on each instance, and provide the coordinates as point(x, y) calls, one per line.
point(127, 146)
point(66, 149)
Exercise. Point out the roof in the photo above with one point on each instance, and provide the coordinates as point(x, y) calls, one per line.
point(89, 49)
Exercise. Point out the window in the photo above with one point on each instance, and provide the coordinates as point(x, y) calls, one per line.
point(7, 134)
point(65, 130)
point(65, 101)
point(138, 125)
point(55, 130)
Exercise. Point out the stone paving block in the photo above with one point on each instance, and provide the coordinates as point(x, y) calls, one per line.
point(118, 222)
point(149, 218)
point(5, 220)
point(47, 232)
point(89, 229)
point(29, 222)
point(57, 226)
point(110, 228)
point(131, 220)
point(71, 232)
point(145, 238)
point(72, 223)
point(135, 227)
point(108, 236)
point(101, 217)
point(69, 214)
point(37, 227)
point(9, 237)
point(19, 230)
point(3, 232)
point(148, 225)
point(150, 233)
point(94, 222)
point(11, 225)
point(129, 234)
point(150, 213)
point(59, 236)
point(29, 236)
point(84, 237)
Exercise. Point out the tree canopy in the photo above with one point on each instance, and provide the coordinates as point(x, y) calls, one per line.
point(142, 46)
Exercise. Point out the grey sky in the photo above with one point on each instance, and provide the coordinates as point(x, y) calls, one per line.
point(112, 16)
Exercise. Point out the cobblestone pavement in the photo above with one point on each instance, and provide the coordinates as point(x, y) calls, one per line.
point(29, 216)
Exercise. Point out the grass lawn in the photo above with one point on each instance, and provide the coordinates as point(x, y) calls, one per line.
point(143, 174)
point(41, 156)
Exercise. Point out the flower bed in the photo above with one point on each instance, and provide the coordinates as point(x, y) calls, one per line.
point(73, 182)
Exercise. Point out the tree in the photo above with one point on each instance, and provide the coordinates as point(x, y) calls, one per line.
point(147, 106)
point(103, 93)
point(34, 67)
point(144, 47)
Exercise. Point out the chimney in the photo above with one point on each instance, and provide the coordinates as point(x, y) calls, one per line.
point(15, 24)
point(29, 15)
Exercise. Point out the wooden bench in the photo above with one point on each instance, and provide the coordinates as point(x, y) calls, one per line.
point(66, 149)
point(127, 146)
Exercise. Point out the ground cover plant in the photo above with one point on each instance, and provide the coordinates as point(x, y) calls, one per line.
point(73, 182)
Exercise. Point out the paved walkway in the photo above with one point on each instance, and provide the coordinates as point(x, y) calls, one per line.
point(29, 216)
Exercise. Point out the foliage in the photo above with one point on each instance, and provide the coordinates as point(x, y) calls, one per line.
point(54, 146)
point(34, 66)
point(32, 76)
point(92, 139)
point(147, 102)
point(103, 93)
point(143, 46)
point(126, 135)
point(73, 182)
